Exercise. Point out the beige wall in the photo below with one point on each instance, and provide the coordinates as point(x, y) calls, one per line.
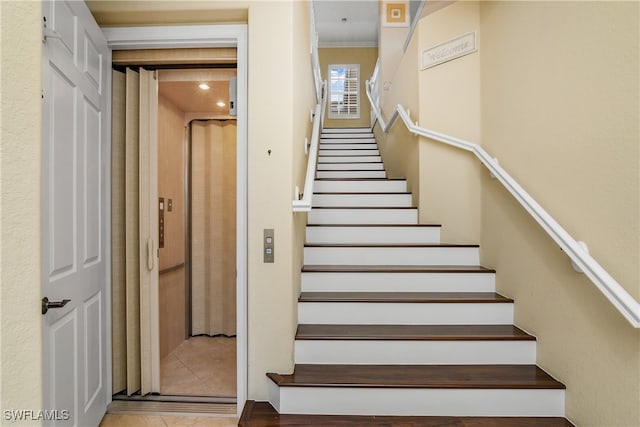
point(560, 111)
point(171, 149)
point(271, 290)
point(274, 45)
point(450, 103)
point(366, 57)
point(399, 148)
point(446, 99)
point(20, 151)
point(172, 284)
point(553, 94)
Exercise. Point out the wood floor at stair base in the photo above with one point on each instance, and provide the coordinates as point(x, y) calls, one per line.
point(262, 414)
point(417, 402)
point(383, 352)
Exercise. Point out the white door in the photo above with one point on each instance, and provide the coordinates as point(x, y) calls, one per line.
point(75, 158)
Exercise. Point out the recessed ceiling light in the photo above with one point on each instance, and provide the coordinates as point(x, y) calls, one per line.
point(203, 86)
point(220, 104)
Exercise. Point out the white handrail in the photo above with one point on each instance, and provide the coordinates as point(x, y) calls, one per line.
point(612, 290)
point(304, 204)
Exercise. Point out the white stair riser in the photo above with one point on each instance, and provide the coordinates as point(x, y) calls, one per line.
point(398, 282)
point(419, 402)
point(402, 200)
point(363, 134)
point(362, 216)
point(415, 313)
point(386, 186)
point(348, 131)
point(380, 235)
point(349, 159)
point(344, 140)
point(351, 174)
point(350, 146)
point(391, 256)
point(348, 153)
point(383, 352)
point(350, 166)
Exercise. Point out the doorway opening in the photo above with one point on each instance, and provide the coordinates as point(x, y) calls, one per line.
point(197, 308)
point(197, 252)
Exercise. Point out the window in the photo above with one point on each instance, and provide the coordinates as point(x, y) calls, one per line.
point(344, 91)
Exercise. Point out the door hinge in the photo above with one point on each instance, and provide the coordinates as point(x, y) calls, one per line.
point(48, 33)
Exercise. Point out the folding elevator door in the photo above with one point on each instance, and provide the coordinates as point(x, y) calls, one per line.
point(134, 232)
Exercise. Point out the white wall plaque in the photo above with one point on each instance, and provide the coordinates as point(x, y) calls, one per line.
point(451, 49)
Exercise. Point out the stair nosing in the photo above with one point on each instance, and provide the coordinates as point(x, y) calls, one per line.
point(377, 225)
point(466, 380)
point(414, 333)
point(389, 245)
point(361, 179)
point(396, 269)
point(366, 207)
point(341, 193)
point(405, 297)
point(343, 163)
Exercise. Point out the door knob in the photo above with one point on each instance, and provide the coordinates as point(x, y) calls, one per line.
point(46, 304)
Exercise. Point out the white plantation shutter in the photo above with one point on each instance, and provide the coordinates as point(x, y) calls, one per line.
point(344, 91)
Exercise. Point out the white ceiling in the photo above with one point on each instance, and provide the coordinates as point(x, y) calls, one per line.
point(360, 29)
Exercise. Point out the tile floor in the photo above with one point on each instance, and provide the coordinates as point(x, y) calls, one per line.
point(200, 366)
point(120, 420)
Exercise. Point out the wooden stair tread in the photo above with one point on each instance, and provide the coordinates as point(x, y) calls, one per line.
point(392, 245)
point(395, 269)
point(376, 225)
point(262, 414)
point(413, 332)
point(360, 179)
point(352, 152)
point(340, 163)
point(405, 297)
point(367, 207)
point(419, 376)
point(379, 193)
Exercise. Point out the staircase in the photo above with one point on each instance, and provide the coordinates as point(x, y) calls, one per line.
point(394, 323)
